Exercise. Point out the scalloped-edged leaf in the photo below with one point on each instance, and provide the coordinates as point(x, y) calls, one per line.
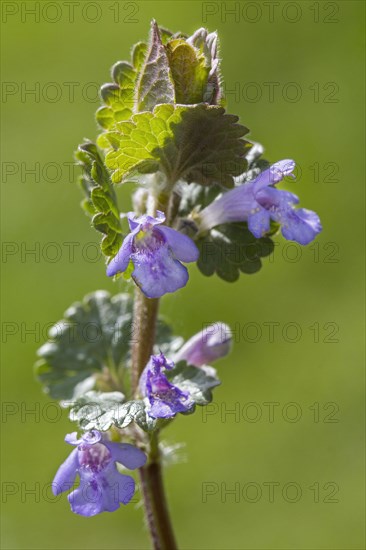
point(93, 335)
point(199, 143)
point(230, 249)
point(101, 201)
point(100, 411)
point(139, 52)
point(155, 80)
point(118, 97)
point(197, 381)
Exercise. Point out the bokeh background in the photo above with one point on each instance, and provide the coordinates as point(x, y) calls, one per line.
point(309, 56)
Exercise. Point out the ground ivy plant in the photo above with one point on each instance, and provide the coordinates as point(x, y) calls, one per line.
point(203, 193)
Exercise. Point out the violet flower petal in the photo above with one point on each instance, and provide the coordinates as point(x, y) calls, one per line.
point(259, 222)
point(183, 247)
point(206, 346)
point(301, 226)
point(66, 474)
point(157, 272)
point(131, 457)
point(120, 262)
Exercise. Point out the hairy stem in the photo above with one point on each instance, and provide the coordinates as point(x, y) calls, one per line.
point(157, 514)
point(156, 510)
point(144, 328)
point(143, 334)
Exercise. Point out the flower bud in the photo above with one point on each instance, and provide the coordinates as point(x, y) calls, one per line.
point(213, 342)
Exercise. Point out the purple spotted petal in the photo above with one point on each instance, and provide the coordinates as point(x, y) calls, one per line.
point(259, 222)
point(66, 474)
point(120, 262)
point(102, 488)
point(157, 272)
point(164, 399)
point(126, 488)
point(271, 198)
point(301, 226)
point(183, 247)
point(102, 493)
point(131, 457)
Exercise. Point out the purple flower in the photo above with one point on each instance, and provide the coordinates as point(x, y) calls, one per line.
point(213, 342)
point(258, 202)
point(163, 399)
point(102, 488)
point(156, 254)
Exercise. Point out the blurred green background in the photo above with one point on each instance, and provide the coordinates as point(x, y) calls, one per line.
point(310, 54)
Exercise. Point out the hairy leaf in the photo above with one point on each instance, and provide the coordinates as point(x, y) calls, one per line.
point(230, 249)
point(197, 381)
point(196, 142)
point(118, 97)
point(139, 52)
point(94, 335)
point(155, 80)
point(100, 411)
point(189, 72)
point(207, 44)
point(100, 202)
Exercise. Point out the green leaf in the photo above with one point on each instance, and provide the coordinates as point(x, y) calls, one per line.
point(100, 202)
point(207, 45)
point(139, 52)
point(100, 411)
point(189, 72)
point(94, 335)
point(199, 143)
point(119, 97)
point(155, 80)
point(197, 381)
point(230, 249)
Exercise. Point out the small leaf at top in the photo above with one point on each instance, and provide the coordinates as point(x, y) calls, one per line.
point(189, 72)
point(155, 81)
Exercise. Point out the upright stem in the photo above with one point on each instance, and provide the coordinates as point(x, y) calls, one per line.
point(157, 513)
point(156, 509)
point(143, 334)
